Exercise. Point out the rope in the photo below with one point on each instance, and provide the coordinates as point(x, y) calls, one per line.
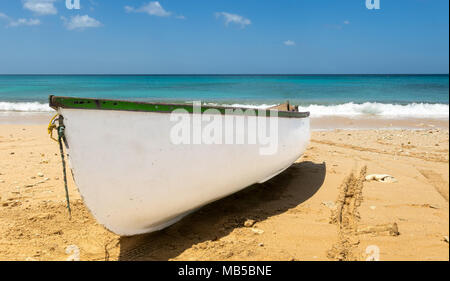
point(61, 129)
point(51, 127)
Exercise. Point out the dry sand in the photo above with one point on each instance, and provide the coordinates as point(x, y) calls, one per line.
point(319, 209)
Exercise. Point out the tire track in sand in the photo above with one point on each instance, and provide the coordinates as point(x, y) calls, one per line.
point(346, 217)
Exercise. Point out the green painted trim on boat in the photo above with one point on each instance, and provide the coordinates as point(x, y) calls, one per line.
point(107, 104)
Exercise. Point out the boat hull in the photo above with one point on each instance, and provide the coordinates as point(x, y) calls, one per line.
point(135, 180)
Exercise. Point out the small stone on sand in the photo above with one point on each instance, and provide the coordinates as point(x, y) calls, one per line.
point(329, 204)
point(249, 223)
point(40, 174)
point(257, 231)
point(381, 178)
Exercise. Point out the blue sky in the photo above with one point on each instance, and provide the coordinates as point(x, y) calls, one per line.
point(225, 36)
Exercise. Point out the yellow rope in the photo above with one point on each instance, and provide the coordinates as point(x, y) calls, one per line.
point(60, 129)
point(51, 127)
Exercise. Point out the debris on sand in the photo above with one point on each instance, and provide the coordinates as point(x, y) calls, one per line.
point(249, 223)
point(445, 239)
point(257, 231)
point(381, 178)
point(390, 228)
point(431, 206)
point(329, 204)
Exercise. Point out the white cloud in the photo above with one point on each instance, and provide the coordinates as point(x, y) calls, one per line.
point(80, 22)
point(25, 22)
point(19, 22)
point(152, 8)
point(289, 43)
point(346, 22)
point(40, 7)
point(3, 16)
point(180, 17)
point(233, 18)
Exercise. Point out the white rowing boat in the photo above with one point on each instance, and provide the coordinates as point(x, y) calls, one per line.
point(135, 178)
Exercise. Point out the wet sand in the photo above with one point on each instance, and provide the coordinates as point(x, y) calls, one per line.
point(317, 123)
point(321, 208)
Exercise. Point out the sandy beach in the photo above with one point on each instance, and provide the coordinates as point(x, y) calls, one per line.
point(321, 208)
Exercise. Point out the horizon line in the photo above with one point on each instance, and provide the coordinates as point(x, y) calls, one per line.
point(218, 74)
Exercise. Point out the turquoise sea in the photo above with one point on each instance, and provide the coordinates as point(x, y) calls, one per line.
point(348, 95)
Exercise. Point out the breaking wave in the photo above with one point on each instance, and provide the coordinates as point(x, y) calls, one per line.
point(367, 109)
point(351, 110)
point(25, 107)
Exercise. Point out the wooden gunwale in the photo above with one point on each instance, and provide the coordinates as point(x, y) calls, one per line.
point(110, 104)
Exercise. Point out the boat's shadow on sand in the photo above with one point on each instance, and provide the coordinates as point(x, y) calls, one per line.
point(289, 189)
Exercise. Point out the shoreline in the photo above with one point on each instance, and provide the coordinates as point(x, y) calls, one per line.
point(317, 123)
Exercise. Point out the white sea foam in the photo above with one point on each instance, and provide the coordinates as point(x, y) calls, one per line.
point(350, 110)
point(25, 107)
point(368, 109)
